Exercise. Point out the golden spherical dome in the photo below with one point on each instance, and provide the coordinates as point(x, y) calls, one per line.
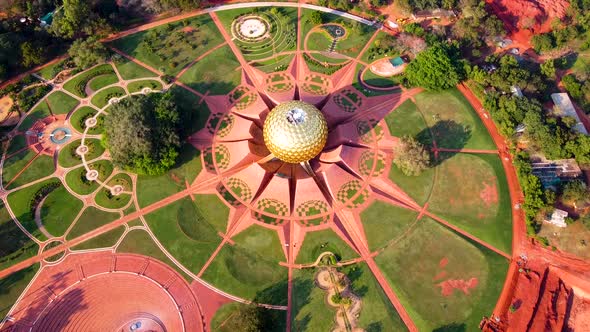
point(295, 131)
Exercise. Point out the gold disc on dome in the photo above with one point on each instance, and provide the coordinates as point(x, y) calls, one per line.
point(295, 131)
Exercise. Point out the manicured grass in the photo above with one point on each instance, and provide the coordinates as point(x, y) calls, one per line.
point(19, 203)
point(15, 246)
point(365, 90)
point(226, 318)
point(407, 120)
point(459, 194)
point(453, 121)
point(217, 73)
point(17, 143)
point(165, 223)
point(415, 270)
point(101, 99)
point(90, 219)
point(384, 222)
point(278, 63)
point(173, 48)
point(38, 113)
point(39, 167)
point(12, 286)
point(51, 71)
point(105, 199)
point(69, 158)
point(310, 312)
point(139, 242)
point(377, 313)
point(130, 70)
point(283, 31)
point(418, 187)
point(140, 85)
point(59, 210)
point(102, 81)
point(76, 178)
point(61, 103)
point(105, 240)
point(318, 242)
point(319, 41)
point(250, 268)
point(369, 57)
point(79, 117)
point(212, 209)
point(77, 85)
point(151, 189)
point(382, 82)
point(193, 112)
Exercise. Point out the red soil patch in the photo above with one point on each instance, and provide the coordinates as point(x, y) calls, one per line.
point(443, 262)
point(448, 286)
point(384, 68)
point(175, 178)
point(489, 194)
point(527, 17)
point(188, 29)
point(440, 275)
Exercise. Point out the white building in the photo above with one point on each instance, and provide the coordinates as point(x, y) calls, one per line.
point(564, 107)
point(558, 218)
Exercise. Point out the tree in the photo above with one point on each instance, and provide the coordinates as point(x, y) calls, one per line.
point(315, 17)
point(543, 42)
point(69, 20)
point(434, 69)
point(31, 55)
point(548, 68)
point(411, 157)
point(574, 191)
point(2, 72)
point(86, 53)
point(141, 133)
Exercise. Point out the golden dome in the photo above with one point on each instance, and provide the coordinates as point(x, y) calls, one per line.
point(295, 131)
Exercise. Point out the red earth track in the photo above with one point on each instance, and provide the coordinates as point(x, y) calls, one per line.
point(102, 291)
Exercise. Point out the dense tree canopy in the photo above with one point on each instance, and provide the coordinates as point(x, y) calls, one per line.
point(411, 157)
point(86, 53)
point(434, 69)
point(69, 20)
point(141, 133)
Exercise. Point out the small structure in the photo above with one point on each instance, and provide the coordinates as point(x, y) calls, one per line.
point(388, 67)
point(557, 218)
point(564, 107)
point(46, 20)
point(551, 173)
point(422, 15)
point(516, 91)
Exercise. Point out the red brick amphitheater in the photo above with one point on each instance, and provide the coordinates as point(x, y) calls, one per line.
point(107, 292)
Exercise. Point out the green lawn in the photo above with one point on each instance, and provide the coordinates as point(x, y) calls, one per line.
point(377, 313)
point(105, 240)
point(318, 242)
point(105, 199)
point(226, 319)
point(283, 31)
point(77, 85)
point(61, 103)
point(19, 203)
point(140, 85)
point(250, 268)
point(59, 211)
point(418, 187)
point(12, 286)
point(415, 268)
point(310, 312)
point(17, 143)
point(191, 252)
point(218, 73)
point(193, 112)
point(173, 48)
point(38, 113)
point(366, 91)
point(101, 99)
point(151, 189)
point(382, 82)
point(69, 158)
point(40, 167)
point(76, 178)
point(384, 222)
point(15, 246)
point(453, 121)
point(90, 219)
point(102, 81)
point(51, 71)
point(130, 70)
point(140, 242)
point(79, 117)
point(459, 196)
point(407, 120)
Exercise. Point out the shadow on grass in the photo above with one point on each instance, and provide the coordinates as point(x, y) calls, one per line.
point(302, 287)
point(452, 327)
point(447, 134)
